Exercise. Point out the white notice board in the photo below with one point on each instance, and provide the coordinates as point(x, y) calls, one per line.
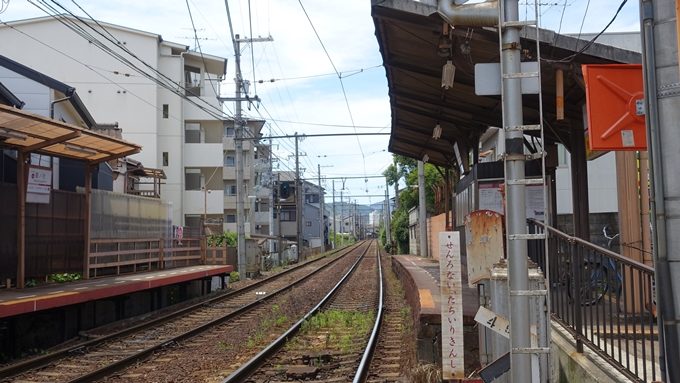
point(39, 184)
point(452, 305)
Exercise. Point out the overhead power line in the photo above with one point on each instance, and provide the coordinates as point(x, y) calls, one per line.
point(342, 85)
point(164, 81)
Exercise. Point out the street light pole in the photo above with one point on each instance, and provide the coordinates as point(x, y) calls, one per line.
point(334, 223)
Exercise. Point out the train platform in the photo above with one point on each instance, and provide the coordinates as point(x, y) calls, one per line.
point(15, 302)
point(420, 278)
point(421, 275)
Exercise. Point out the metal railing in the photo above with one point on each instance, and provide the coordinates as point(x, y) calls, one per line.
point(606, 301)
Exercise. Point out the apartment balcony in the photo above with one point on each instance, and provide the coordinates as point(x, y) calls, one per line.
point(195, 202)
point(229, 173)
point(230, 202)
point(193, 112)
point(230, 227)
point(261, 218)
point(203, 155)
point(230, 144)
point(262, 192)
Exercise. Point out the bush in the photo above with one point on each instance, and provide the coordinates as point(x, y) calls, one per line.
point(234, 277)
point(228, 238)
point(64, 277)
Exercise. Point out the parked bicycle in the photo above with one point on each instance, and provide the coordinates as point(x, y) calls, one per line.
point(600, 275)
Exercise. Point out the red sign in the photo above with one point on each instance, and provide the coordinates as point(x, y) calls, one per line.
point(615, 102)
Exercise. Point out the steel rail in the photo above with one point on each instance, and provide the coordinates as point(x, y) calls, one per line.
point(365, 364)
point(254, 363)
point(113, 367)
point(43, 360)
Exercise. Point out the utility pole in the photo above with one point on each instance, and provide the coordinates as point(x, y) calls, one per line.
point(334, 228)
point(271, 197)
point(388, 233)
point(299, 199)
point(515, 186)
point(240, 192)
point(659, 23)
point(342, 217)
point(422, 210)
point(278, 219)
point(321, 225)
point(238, 138)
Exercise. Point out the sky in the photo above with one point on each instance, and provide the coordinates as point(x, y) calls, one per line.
point(307, 95)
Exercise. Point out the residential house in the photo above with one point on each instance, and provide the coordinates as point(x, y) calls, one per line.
point(314, 230)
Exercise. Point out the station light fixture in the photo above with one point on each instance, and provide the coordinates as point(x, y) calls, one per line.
point(426, 158)
point(437, 132)
point(6, 133)
point(448, 74)
point(80, 149)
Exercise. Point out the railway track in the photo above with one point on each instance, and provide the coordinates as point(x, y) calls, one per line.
point(101, 357)
point(394, 353)
point(334, 341)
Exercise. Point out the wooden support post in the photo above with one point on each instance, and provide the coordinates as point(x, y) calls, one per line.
point(630, 224)
point(204, 247)
point(644, 208)
point(161, 254)
point(559, 94)
point(88, 220)
point(579, 184)
point(21, 218)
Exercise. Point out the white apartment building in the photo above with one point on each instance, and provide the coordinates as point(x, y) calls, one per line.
point(188, 138)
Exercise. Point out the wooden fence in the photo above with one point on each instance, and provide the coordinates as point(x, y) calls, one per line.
point(121, 256)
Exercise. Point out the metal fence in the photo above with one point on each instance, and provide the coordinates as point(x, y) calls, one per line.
point(606, 301)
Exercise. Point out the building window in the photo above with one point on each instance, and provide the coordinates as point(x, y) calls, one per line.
point(192, 133)
point(166, 110)
point(561, 156)
point(229, 161)
point(192, 179)
point(230, 218)
point(228, 131)
point(165, 159)
point(312, 198)
point(193, 221)
point(287, 215)
point(308, 223)
point(192, 80)
point(229, 189)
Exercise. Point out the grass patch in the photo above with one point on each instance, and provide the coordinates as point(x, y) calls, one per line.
point(341, 330)
point(273, 319)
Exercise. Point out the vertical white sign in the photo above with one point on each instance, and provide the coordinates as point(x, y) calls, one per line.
point(452, 305)
point(39, 184)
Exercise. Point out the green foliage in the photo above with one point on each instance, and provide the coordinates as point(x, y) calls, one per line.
point(31, 283)
point(234, 277)
point(64, 277)
point(404, 168)
point(400, 230)
point(228, 238)
point(343, 329)
point(341, 238)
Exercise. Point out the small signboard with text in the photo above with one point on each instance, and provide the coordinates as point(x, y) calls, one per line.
point(39, 184)
point(451, 287)
point(483, 243)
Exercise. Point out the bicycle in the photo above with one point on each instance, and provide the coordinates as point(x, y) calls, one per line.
point(599, 276)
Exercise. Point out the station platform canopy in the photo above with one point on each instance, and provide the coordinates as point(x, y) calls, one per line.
point(31, 133)
point(415, 44)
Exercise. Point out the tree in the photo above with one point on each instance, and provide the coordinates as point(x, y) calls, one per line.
point(407, 198)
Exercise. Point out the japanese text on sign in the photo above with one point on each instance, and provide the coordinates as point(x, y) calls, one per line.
point(452, 305)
